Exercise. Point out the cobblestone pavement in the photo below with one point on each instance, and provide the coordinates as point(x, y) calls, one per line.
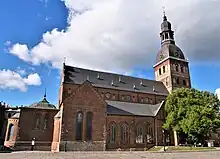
point(112, 155)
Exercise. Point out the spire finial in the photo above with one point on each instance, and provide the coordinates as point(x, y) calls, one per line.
point(164, 14)
point(45, 93)
point(64, 60)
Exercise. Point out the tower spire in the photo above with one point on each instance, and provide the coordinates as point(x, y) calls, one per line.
point(45, 93)
point(164, 14)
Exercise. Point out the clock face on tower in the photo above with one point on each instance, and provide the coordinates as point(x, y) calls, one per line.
point(161, 57)
point(176, 54)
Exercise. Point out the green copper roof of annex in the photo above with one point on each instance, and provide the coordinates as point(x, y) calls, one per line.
point(43, 104)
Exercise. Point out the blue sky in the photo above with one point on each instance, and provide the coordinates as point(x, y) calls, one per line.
point(24, 22)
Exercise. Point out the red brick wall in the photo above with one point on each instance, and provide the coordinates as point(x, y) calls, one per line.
point(84, 99)
point(117, 95)
point(56, 135)
point(132, 121)
point(11, 141)
point(28, 131)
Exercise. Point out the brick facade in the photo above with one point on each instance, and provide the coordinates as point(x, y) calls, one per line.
point(28, 129)
point(86, 98)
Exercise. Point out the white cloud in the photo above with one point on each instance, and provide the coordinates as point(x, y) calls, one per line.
point(13, 80)
point(21, 71)
point(118, 35)
point(218, 93)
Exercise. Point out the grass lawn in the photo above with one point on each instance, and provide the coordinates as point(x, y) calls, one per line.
point(155, 148)
point(182, 148)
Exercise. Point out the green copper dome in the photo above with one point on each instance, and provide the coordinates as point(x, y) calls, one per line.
point(43, 104)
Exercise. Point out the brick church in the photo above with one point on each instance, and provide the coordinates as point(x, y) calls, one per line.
point(101, 110)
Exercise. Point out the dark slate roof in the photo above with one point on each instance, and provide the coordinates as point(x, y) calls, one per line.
point(16, 116)
point(169, 50)
point(125, 108)
point(76, 75)
point(44, 104)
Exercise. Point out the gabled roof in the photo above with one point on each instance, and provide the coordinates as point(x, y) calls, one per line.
point(76, 75)
point(16, 116)
point(125, 108)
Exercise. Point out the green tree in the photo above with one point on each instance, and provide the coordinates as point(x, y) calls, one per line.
point(196, 114)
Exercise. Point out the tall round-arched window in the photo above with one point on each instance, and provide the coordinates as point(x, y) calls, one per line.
point(10, 132)
point(125, 133)
point(89, 126)
point(79, 126)
point(139, 134)
point(112, 133)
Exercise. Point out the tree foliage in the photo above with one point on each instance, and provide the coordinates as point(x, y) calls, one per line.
point(192, 112)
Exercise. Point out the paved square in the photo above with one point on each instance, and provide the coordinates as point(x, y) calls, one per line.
point(112, 155)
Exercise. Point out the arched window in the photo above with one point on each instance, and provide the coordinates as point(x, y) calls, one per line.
point(166, 35)
point(125, 134)
point(149, 133)
point(181, 68)
point(177, 68)
point(89, 126)
point(37, 123)
point(160, 71)
point(164, 69)
point(112, 133)
point(139, 134)
point(79, 125)
point(45, 123)
point(10, 132)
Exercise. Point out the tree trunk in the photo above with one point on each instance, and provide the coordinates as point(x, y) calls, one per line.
point(175, 138)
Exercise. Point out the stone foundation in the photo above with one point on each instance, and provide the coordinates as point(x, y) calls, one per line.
point(26, 146)
point(82, 146)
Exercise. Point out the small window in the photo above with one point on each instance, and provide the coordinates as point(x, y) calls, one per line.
point(171, 35)
point(37, 123)
point(113, 97)
point(177, 68)
point(164, 69)
point(102, 95)
point(107, 95)
point(128, 98)
point(139, 134)
point(184, 82)
point(167, 81)
point(141, 100)
point(146, 100)
point(177, 81)
point(69, 91)
point(159, 71)
point(182, 70)
point(122, 97)
point(174, 80)
point(9, 115)
point(45, 123)
point(166, 35)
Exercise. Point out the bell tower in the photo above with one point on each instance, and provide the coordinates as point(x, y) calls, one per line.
point(171, 66)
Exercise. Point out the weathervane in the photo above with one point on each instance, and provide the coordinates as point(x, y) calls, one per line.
point(164, 12)
point(64, 60)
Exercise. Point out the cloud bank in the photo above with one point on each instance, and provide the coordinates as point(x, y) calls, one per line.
point(217, 92)
point(13, 80)
point(120, 35)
